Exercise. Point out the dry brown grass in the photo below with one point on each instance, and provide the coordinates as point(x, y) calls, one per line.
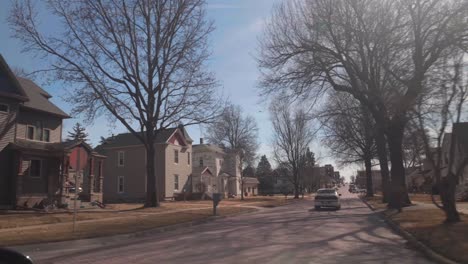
point(114, 226)
point(376, 202)
point(450, 240)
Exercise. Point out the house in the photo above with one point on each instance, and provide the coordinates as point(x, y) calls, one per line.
point(34, 162)
point(226, 170)
point(125, 167)
point(361, 180)
point(460, 157)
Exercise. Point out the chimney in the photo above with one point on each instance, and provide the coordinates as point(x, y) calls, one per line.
point(201, 141)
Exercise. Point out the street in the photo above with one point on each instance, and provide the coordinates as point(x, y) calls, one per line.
point(294, 233)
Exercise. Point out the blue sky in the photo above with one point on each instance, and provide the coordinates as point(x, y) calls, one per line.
point(234, 42)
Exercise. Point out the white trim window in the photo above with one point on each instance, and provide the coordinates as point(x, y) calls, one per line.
point(30, 132)
point(35, 168)
point(4, 108)
point(201, 162)
point(120, 159)
point(176, 156)
point(120, 184)
point(176, 182)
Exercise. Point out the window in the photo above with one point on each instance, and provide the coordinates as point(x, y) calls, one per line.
point(120, 184)
point(30, 132)
point(4, 108)
point(176, 156)
point(201, 162)
point(176, 182)
point(120, 159)
point(188, 158)
point(35, 168)
point(46, 135)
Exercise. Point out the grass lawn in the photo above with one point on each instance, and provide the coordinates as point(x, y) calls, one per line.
point(450, 240)
point(125, 224)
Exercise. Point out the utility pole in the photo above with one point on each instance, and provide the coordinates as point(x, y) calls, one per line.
point(77, 170)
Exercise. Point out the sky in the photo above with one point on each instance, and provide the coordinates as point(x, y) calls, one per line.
point(234, 44)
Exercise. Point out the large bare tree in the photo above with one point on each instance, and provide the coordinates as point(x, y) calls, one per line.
point(236, 131)
point(348, 131)
point(142, 62)
point(292, 135)
point(379, 51)
point(439, 110)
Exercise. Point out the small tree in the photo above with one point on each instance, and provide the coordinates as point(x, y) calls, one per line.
point(264, 174)
point(78, 133)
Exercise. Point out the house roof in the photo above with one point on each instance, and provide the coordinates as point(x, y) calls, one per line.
point(250, 180)
point(25, 144)
point(128, 139)
point(201, 170)
point(208, 147)
point(9, 85)
point(25, 90)
point(39, 98)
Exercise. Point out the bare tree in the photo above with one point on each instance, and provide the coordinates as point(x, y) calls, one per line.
point(439, 110)
point(141, 62)
point(349, 133)
point(378, 51)
point(235, 131)
point(292, 136)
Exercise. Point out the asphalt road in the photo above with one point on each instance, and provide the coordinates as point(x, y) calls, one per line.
point(289, 234)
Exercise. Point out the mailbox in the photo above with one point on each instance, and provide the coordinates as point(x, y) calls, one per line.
point(216, 199)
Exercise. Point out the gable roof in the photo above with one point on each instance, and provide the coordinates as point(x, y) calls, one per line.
point(39, 98)
point(128, 139)
point(9, 85)
point(208, 147)
point(201, 170)
point(25, 90)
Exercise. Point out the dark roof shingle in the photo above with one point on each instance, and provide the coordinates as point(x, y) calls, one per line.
point(128, 139)
point(39, 98)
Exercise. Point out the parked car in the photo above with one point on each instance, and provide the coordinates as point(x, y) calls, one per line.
point(352, 188)
point(327, 198)
point(8, 256)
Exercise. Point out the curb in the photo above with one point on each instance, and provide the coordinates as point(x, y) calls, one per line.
point(427, 251)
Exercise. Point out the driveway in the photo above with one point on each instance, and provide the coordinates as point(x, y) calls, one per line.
point(294, 233)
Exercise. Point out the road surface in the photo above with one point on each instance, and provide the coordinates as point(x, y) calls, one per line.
point(294, 233)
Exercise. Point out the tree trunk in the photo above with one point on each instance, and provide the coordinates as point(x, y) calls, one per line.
point(296, 184)
point(447, 188)
point(383, 160)
point(369, 184)
point(152, 199)
point(399, 194)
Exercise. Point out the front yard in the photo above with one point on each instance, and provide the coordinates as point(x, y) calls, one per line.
point(35, 227)
point(426, 224)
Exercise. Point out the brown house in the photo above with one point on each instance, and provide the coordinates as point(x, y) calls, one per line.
point(34, 162)
point(125, 167)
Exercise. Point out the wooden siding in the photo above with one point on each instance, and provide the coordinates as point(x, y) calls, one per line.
point(8, 123)
point(31, 118)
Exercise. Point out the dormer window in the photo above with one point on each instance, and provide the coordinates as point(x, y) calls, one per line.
point(4, 108)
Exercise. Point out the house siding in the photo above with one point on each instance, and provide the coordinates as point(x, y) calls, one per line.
point(31, 118)
point(183, 169)
point(8, 123)
point(133, 171)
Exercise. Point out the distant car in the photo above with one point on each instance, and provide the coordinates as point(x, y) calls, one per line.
point(352, 188)
point(327, 198)
point(8, 256)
